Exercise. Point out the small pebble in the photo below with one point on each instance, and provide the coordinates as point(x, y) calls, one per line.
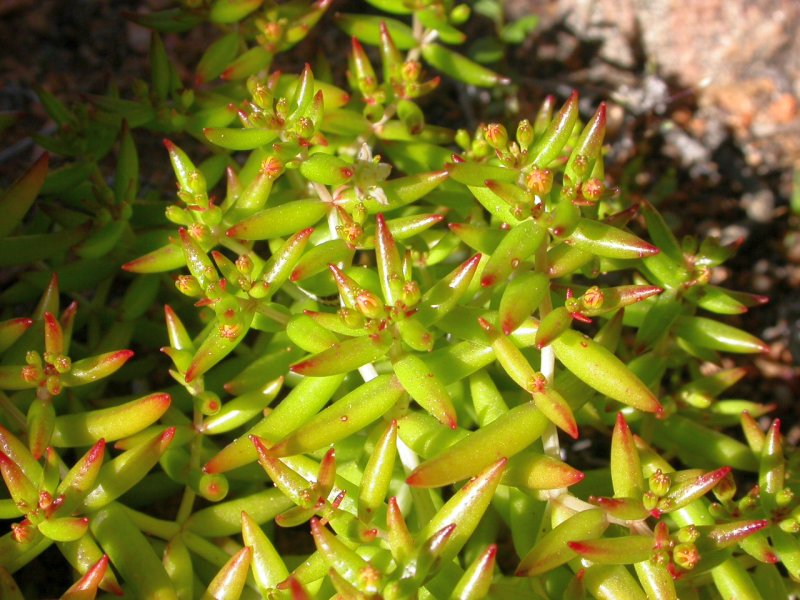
point(759, 205)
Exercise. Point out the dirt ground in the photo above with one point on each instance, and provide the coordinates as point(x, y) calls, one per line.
point(731, 141)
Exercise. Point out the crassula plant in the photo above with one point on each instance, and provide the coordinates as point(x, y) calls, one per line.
point(387, 346)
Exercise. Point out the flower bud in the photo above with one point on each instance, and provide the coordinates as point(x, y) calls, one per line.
point(23, 532)
point(351, 318)
point(62, 363)
point(748, 504)
point(282, 107)
point(369, 305)
point(540, 181)
point(411, 71)
point(688, 534)
point(524, 134)
point(659, 483)
point(350, 232)
point(496, 135)
point(411, 294)
point(260, 93)
point(273, 31)
point(784, 497)
point(259, 289)
point(45, 498)
point(31, 374)
point(53, 386)
point(188, 286)
point(580, 165)
point(593, 189)
point(463, 139)
point(304, 127)
point(593, 298)
point(460, 14)
point(790, 525)
point(359, 213)
point(244, 264)
point(660, 558)
point(568, 192)
point(199, 233)
point(649, 500)
point(686, 556)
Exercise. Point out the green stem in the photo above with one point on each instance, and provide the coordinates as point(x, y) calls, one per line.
point(418, 31)
point(187, 501)
point(185, 508)
point(159, 528)
point(550, 441)
point(204, 549)
point(270, 313)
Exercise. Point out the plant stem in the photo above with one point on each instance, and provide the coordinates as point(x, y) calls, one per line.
point(160, 528)
point(187, 501)
point(547, 367)
point(204, 548)
point(270, 313)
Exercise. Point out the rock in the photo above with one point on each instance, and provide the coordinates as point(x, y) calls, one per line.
point(740, 57)
point(759, 205)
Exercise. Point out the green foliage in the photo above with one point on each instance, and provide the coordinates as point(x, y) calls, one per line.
point(377, 328)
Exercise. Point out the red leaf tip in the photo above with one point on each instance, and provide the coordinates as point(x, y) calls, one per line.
point(577, 476)
point(168, 435)
point(488, 280)
point(122, 354)
point(413, 480)
point(578, 547)
point(508, 326)
point(622, 424)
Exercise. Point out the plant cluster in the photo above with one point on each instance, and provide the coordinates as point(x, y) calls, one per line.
point(376, 331)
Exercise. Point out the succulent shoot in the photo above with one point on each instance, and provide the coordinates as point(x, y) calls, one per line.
point(380, 332)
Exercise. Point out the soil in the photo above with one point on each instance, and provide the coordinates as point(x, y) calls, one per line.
point(729, 144)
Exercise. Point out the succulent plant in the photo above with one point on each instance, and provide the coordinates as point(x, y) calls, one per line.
point(383, 339)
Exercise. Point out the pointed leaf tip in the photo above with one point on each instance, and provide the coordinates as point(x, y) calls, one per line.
point(579, 547)
point(168, 434)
